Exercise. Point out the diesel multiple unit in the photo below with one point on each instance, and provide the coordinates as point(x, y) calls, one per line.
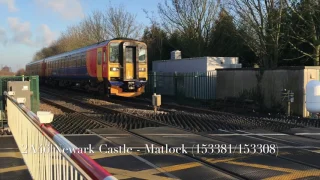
point(114, 67)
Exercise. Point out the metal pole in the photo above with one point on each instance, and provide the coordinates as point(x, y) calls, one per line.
point(154, 82)
point(288, 108)
point(289, 103)
point(1, 119)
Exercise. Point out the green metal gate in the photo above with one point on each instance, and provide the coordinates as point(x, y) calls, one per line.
point(34, 83)
point(195, 85)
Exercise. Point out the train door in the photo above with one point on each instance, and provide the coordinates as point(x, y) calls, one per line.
point(130, 62)
point(104, 63)
point(43, 68)
point(99, 64)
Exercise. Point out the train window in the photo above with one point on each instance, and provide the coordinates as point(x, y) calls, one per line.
point(114, 52)
point(142, 54)
point(99, 58)
point(129, 54)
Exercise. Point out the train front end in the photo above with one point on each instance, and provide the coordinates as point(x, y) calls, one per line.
point(128, 68)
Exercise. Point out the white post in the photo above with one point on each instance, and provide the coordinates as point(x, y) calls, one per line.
point(156, 102)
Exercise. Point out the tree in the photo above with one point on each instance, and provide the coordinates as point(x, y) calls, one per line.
point(260, 24)
point(115, 22)
point(95, 27)
point(194, 19)
point(225, 40)
point(304, 29)
point(6, 69)
point(120, 23)
point(20, 72)
point(156, 39)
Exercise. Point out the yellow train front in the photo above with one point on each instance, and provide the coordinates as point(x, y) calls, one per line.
point(115, 67)
point(127, 69)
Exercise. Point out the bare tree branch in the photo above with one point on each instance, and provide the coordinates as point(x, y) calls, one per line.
point(194, 19)
point(260, 24)
point(121, 24)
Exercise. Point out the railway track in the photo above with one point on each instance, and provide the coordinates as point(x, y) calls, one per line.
point(146, 104)
point(155, 120)
point(194, 122)
point(85, 119)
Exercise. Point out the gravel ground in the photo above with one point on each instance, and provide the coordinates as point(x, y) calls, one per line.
point(69, 105)
point(119, 107)
point(52, 109)
point(5, 131)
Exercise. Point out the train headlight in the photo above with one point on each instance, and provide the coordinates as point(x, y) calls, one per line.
point(114, 69)
point(142, 69)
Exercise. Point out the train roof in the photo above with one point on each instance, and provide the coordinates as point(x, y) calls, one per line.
point(78, 50)
point(70, 52)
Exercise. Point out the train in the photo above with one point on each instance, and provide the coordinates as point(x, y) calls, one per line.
point(116, 67)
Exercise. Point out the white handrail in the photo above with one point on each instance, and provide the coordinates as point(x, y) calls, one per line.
point(47, 154)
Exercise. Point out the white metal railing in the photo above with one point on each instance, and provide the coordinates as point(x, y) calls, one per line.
point(47, 154)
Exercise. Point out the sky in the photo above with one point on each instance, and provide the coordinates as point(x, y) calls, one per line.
point(26, 26)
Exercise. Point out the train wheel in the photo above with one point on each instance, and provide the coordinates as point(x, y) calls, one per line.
point(106, 93)
point(102, 90)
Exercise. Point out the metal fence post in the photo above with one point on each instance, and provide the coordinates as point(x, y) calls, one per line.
point(154, 82)
point(175, 85)
point(35, 98)
point(1, 95)
point(1, 119)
